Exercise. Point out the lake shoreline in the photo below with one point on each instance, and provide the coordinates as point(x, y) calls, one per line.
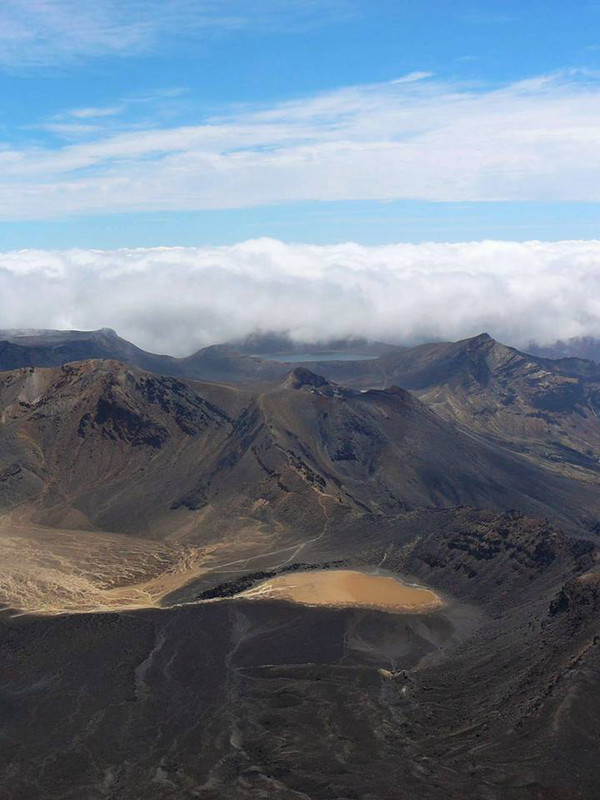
point(374, 590)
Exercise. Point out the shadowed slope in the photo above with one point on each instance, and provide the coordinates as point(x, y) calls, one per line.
point(40, 348)
point(546, 409)
point(99, 444)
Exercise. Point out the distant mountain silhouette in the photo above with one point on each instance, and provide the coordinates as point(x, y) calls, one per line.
point(577, 347)
point(47, 348)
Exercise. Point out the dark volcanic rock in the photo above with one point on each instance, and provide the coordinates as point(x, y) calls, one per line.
point(579, 598)
point(548, 408)
point(304, 377)
point(110, 442)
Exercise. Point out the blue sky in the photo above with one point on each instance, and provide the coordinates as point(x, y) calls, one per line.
point(129, 123)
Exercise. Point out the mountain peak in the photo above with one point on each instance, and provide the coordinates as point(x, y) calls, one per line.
point(300, 377)
point(481, 339)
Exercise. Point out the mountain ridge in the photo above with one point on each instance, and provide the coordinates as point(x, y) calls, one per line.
point(543, 408)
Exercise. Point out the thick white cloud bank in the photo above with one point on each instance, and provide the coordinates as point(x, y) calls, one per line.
point(175, 299)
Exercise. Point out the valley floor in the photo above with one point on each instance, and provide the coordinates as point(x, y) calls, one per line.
point(490, 696)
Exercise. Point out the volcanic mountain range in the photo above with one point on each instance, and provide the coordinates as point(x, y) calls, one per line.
point(140, 494)
point(544, 408)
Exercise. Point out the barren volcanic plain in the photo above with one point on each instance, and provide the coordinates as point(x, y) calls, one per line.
point(282, 584)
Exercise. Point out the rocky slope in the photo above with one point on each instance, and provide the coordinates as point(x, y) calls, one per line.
point(96, 444)
point(546, 409)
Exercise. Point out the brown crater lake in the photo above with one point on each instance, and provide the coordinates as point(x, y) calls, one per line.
point(347, 588)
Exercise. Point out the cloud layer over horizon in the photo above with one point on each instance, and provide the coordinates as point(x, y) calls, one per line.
point(177, 299)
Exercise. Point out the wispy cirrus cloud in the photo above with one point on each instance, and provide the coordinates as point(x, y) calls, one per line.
point(411, 138)
point(174, 299)
point(44, 32)
point(131, 112)
point(95, 113)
